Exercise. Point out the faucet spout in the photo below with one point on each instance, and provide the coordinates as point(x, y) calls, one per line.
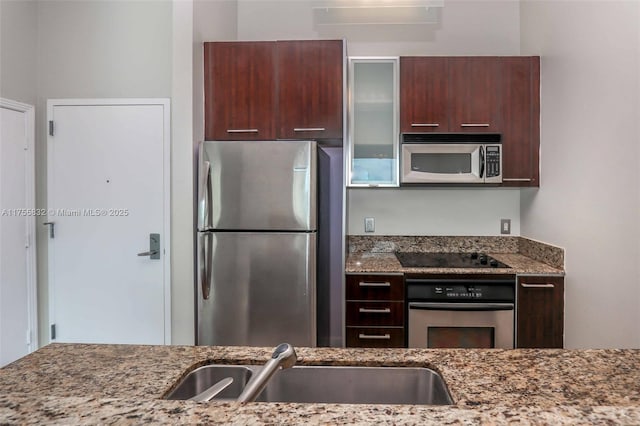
point(284, 356)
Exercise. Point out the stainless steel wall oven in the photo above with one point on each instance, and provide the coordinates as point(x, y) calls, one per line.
point(469, 312)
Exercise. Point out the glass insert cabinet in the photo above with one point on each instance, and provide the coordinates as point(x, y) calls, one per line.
point(373, 122)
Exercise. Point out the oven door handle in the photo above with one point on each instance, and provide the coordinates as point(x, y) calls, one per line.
point(462, 306)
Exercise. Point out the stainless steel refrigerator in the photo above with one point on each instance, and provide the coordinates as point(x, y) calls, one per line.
point(256, 243)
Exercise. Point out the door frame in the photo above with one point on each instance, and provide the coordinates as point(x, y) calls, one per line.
point(30, 239)
point(166, 169)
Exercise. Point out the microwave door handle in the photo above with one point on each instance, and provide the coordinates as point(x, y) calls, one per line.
point(481, 161)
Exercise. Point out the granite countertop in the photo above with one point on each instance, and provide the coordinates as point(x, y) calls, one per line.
point(74, 383)
point(372, 262)
point(375, 254)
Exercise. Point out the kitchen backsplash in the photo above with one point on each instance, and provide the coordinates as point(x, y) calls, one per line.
point(551, 255)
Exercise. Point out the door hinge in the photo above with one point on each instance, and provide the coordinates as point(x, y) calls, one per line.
point(27, 241)
point(50, 127)
point(28, 337)
point(53, 331)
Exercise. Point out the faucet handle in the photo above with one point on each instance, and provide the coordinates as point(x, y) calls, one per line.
point(285, 353)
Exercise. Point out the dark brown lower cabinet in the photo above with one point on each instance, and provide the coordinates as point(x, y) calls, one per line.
point(375, 314)
point(540, 312)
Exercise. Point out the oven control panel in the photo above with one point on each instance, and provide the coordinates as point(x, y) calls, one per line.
point(458, 291)
point(439, 290)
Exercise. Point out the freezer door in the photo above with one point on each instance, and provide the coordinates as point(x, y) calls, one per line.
point(256, 289)
point(258, 185)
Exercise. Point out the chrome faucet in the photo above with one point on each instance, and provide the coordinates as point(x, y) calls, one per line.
point(284, 356)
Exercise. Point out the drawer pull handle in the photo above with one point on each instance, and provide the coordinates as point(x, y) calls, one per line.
point(370, 284)
point(547, 285)
point(309, 129)
point(425, 125)
point(474, 125)
point(242, 130)
point(516, 179)
point(374, 336)
point(374, 311)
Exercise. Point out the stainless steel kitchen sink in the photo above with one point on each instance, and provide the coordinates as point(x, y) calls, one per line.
point(326, 384)
point(203, 378)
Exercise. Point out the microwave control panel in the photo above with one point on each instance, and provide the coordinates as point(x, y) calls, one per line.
point(492, 160)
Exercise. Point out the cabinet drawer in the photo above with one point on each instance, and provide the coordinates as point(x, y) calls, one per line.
point(375, 287)
point(375, 313)
point(379, 337)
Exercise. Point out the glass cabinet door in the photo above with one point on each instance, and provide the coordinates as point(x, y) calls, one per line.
point(373, 121)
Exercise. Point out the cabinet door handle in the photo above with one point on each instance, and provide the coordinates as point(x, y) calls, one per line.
point(374, 311)
point(547, 285)
point(425, 124)
point(516, 179)
point(474, 125)
point(242, 130)
point(374, 336)
point(370, 284)
point(309, 129)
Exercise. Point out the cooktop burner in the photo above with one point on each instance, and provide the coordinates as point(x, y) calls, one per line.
point(448, 260)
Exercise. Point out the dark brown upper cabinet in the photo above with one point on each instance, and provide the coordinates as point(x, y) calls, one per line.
point(240, 90)
point(424, 97)
point(498, 94)
point(310, 89)
point(449, 94)
point(474, 95)
point(273, 90)
point(520, 93)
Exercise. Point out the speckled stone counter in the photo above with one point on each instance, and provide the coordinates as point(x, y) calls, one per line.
point(118, 383)
point(388, 263)
point(375, 254)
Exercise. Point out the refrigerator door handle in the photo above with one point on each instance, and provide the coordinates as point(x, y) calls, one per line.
point(203, 195)
point(204, 263)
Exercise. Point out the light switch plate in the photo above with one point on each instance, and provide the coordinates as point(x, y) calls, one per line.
point(369, 224)
point(505, 226)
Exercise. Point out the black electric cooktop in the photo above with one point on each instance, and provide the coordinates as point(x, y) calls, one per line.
point(448, 260)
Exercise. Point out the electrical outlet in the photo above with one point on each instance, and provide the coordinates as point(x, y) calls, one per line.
point(369, 224)
point(505, 226)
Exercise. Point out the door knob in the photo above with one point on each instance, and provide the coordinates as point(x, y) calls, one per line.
point(154, 247)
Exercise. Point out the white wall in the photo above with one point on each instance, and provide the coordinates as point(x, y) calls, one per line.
point(589, 201)
point(18, 48)
point(182, 253)
point(95, 49)
point(466, 28)
point(471, 27)
point(412, 211)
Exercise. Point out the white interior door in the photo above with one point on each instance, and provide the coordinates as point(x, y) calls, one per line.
point(107, 193)
point(18, 306)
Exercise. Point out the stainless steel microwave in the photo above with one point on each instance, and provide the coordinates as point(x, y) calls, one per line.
point(451, 158)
